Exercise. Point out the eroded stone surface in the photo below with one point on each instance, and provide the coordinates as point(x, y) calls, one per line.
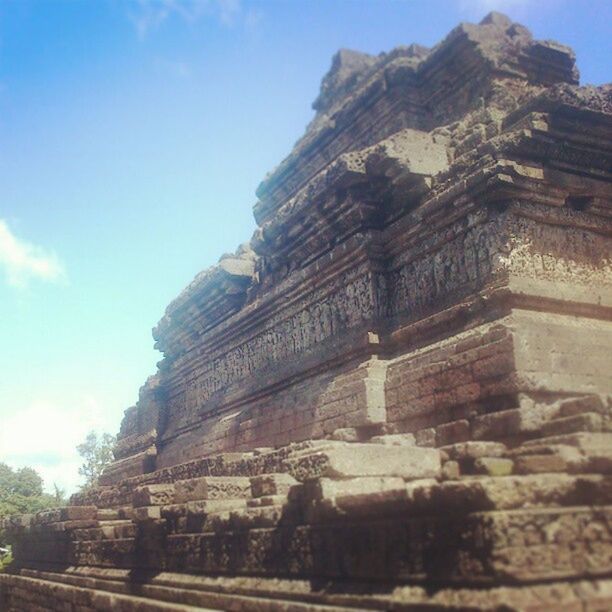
point(397, 394)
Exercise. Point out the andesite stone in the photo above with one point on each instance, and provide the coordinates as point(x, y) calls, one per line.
point(397, 394)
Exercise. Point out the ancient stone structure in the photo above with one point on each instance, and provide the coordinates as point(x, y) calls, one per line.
point(397, 394)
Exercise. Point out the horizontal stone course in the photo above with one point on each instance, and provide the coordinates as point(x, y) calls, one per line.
point(366, 460)
point(397, 394)
point(212, 487)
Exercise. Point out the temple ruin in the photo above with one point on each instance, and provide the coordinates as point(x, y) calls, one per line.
point(398, 394)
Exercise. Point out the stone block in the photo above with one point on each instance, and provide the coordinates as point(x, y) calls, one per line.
point(599, 461)
point(450, 433)
point(493, 466)
point(153, 495)
point(584, 422)
point(474, 449)
point(536, 464)
point(329, 500)
point(212, 487)
point(398, 278)
point(147, 513)
point(257, 518)
point(201, 508)
point(271, 484)
point(355, 488)
point(354, 460)
point(71, 513)
point(425, 437)
point(451, 470)
point(406, 439)
point(107, 514)
point(580, 405)
point(480, 493)
point(347, 434)
point(508, 423)
point(586, 442)
point(135, 465)
point(267, 500)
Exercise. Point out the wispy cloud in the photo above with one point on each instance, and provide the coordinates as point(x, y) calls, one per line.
point(23, 262)
point(148, 15)
point(44, 435)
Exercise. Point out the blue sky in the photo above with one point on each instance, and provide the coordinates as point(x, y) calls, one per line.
point(132, 137)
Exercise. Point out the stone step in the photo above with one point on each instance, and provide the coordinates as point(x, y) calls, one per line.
point(114, 523)
point(27, 592)
point(540, 464)
point(108, 532)
point(562, 457)
point(480, 493)
point(62, 526)
point(67, 513)
point(513, 422)
point(583, 422)
point(380, 547)
point(326, 498)
point(582, 404)
point(238, 594)
point(212, 487)
point(473, 450)
point(107, 514)
point(353, 460)
point(492, 466)
point(268, 500)
point(260, 517)
point(153, 495)
point(406, 439)
point(197, 516)
point(174, 592)
point(447, 548)
point(134, 465)
point(583, 452)
point(272, 484)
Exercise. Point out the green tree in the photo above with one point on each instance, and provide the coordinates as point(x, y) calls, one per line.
point(97, 453)
point(59, 494)
point(21, 492)
point(27, 482)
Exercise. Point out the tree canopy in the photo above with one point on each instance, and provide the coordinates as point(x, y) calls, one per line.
point(21, 492)
point(21, 489)
point(97, 453)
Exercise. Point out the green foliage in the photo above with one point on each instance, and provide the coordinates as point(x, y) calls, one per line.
point(24, 481)
point(6, 560)
point(97, 453)
point(21, 492)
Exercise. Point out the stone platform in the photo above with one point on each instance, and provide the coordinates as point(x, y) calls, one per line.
point(398, 394)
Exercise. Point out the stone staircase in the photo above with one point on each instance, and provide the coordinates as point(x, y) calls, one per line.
point(305, 527)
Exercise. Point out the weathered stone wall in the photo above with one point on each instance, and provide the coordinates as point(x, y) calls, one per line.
point(386, 236)
point(398, 394)
point(314, 407)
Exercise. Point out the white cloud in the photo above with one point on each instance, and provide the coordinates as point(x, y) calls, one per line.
point(44, 436)
point(23, 262)
point(148, 15)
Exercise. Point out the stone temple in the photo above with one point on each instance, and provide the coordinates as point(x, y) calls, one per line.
point(398, 394)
